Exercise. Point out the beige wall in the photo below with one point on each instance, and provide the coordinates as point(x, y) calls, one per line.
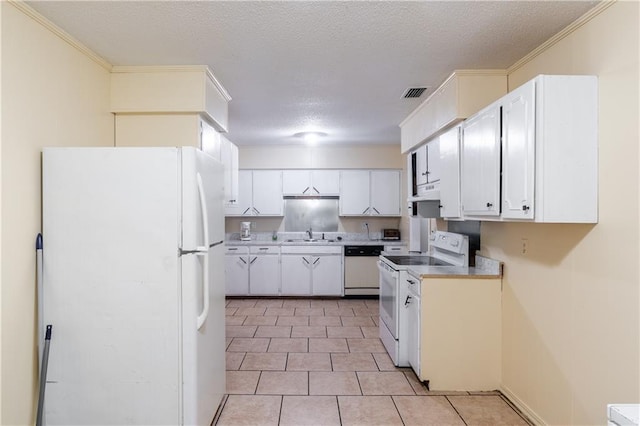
point(157, 130)
point(53, 95)
point(321, 157)
point(571, 328)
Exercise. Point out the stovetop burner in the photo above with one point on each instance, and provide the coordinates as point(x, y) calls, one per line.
point(417, 260)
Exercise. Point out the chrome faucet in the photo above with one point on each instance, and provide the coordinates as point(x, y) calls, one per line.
point(310, 232)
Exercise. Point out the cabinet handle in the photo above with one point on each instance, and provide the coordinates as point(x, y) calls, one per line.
point(243, 261)
point(376, 210)
point(412, 282)
point(253, 260)
point(316, 261)
point(440, 206)
point(424, 173)
point(316, 189)
point(489, 205)
point(305, 260)
point(232, 201)
point(263, 248)
point(256, 210)
point(406, 302)
point(245, 212)
point(305, 190)
point(365, 210)
point(232, 249)
point(525, 208)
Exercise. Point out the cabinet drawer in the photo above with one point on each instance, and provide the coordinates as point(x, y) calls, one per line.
point(413, 283)
point(236, 250)
point(311, 250)
point(264, 250)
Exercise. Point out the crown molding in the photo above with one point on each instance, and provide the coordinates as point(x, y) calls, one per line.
point(63, 35)
point(575, 25)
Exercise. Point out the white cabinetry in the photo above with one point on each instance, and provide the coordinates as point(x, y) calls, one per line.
point(311, 182)
point(481, 163)
point(237, 271)
point(264, 270)
point(450, 174)
point(229, 159)
point(428, 168)
point(461, 95)
point(412, 307)
point(312, 270)
point(370, 193)
point(259, 194)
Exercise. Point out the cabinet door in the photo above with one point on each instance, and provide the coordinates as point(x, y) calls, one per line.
point(296, 182)
point(450, 173)
point(518, 151)
point(421, 165)
point(229, 159)
point(236, 268)
point(296, 275)
point(242, 206)
point(433, 161)
point(264, 275)
point(413, 320)
point(325, 182)
point(481, 163)
point(385, 193)
point(267, 193)
point(354, 193)
point(327, 275)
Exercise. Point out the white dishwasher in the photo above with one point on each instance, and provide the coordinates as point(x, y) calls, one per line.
point(361, 270)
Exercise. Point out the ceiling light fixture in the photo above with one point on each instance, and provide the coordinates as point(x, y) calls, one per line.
point(310, 137)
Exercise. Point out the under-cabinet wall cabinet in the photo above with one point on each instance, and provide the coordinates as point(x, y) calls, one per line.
point(533, 155)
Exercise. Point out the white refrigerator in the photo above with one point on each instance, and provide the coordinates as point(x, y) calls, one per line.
point(133, 286)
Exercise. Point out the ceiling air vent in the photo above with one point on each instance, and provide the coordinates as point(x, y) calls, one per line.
point(414, 92)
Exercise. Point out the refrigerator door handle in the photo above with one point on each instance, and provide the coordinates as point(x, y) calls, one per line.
point(204, 251)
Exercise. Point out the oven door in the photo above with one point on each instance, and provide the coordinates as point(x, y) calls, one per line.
point(389, 297)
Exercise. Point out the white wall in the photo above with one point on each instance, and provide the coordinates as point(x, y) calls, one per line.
point(571, 328)
point(53, 94)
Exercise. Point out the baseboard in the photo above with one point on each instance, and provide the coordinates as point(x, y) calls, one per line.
point(520, 405)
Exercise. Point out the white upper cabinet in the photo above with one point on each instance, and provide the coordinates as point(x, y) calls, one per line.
point(259, 194)
point(229, 159)
point(370, 193)
point(550, 150)
point(311, 182)
point(450, 174)
point(481, 163)
point(433, 160)
point(421, 165)
point(461, 95)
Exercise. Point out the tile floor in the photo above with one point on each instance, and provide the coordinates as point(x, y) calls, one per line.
point(320, 362)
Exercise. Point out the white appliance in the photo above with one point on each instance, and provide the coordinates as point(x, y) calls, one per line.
point(133, 285)
point(245, 231)
point(447, 249)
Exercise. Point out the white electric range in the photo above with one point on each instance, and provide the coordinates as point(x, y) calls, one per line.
point(446, 249)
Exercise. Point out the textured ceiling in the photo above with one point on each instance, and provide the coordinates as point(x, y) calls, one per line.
point(335, 67)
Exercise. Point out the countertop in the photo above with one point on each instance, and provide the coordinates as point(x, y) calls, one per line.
point(331, 239)
point(485, 268)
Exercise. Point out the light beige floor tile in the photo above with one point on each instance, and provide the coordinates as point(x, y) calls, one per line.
point(230, 310)
point(260, 320)
point(372, 303)
point(227, 341)
point(484, 393)
point(333, 383)
point(426, 411)
point(368, 410)
point(308, 362)
point(338, 312)
point(233, 360)
point(384, 361)
point(264, 361)
point(278, 344)
point(322, 303)
point(309, 312)
point(384, 383)
point(366, 311)
point(366, 345)
point(248, 344)
point(273, 331)
point(353, 362)
point(251, 311)
point(286, 320)
point(240, 330)
point(242, 382)
point(327, 321)
point(235, 319)
point(308, 331)
point(280, 311)
point(485, 410)
point(376, 320)
point(283, 383)
point(344, 332)
point(296, 303)
point(351, 303)
point(371, 332)
point(241, 303)
point(328, 345)
point(309, 410)
point(250, 410)
point(357, 321)
point(269, 303)
point(418, 387)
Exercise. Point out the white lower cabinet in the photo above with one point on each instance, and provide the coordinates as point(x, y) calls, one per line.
point(412, 307)
point(313, 271)
point(237, 271)
point(264, 270)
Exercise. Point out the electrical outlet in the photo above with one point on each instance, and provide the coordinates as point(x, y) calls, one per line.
point(365, 226)
point(525, 245)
